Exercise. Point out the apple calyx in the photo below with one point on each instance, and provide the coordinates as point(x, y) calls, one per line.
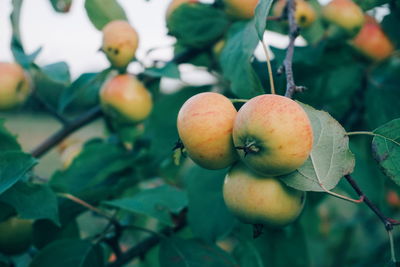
point(250, 147)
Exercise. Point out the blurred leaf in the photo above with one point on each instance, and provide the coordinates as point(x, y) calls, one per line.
point(383, 94)
point(158, 202)
point(236, 57)
point(45, 232)
point(386, 149)
point(197, 25)
point(69, 252)
point(260, 16)
point(62, 6)
point(57, 72)
point(369, 4)
point(84, 91)
point(310, 55)
point(92, 166)
point(389, 26)
point(7, 140)
point(170, 70)
point(101, 12)
point(32, 201)
point(205, 194)
point(247, 254)
point(13, 167)
point(330, 157)
point(177, 252)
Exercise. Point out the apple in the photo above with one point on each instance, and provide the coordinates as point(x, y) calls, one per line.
point(273, 134)
point(240, 9)
point(205, 123)
point(15, 235)
point(120, 42)
point(125, 99)
point(372, 41)
point(69, 150)
point(258, 199)
point(305, 14)
point(14, 85)
point(174, 4)
point(345, 14)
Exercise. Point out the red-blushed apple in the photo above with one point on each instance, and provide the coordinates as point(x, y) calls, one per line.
point(258, 199)
point(125, 99)
point(305, 14)
point(120, 42)
point(372, 41)
point(205, 123)
point(273, 134)
point(344, 13)
point(14, 85)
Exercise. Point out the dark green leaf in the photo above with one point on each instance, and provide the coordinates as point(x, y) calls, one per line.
point(61, 6)
point(386, 149)
point(7, 140)
point(330, 157)
point(158, 202)
point(101, 12)
point(369, 4)
point(69, 252)
point(170, 70)
point(389, 23)
point(197, 25)
point(236, 57)
point(177, 252)
point(32, 201)
point(205, 197)
point(13, 167)
point(260, 17)
point(45, 232)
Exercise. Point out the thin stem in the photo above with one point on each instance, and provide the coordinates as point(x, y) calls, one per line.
point(360, 200)
point(271, 77)
point(391, 242)
point(238, 100)
point(360, 133)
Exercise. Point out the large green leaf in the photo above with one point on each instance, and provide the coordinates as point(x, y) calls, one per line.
point(13, 167)
point(169, 70)
point(7, 140)
point(101, 12)
point(197, 25)
point(32, 201)
point(69, 252)
point(177, 252)
point(386, 149)
point(205, 197)
point(62, 6)
point(330, 158)
point(159, 202)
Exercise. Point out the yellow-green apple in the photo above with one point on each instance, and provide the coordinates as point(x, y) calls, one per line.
point(14, 85)
point(69, 150)
point(372, 41)
point(258, 199)
point(273, 134)
point(205, 123)
point(120, 42)
point(125, 99)
point(174, 4)
point(240, 9)
point(344, 13)
point(15, 235)
point(305, 14)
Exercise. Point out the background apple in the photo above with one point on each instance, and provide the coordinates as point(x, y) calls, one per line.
point(305, 14)
point(345, 14)
point(273, 134)
point(240, 9)
point(205, 123)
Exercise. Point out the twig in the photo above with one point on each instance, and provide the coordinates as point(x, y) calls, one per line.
point(69, 128)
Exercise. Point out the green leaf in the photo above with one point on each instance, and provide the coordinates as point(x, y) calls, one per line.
point(236, 57)
point(158, 202)
point(84, 91)
point(69, 252)
point(177, 252)
point(369, 4)
point(13, 167)
point(170, 70)
point(61, 6)
point(101, 12)
point(57, 72)
point(197, 25)
point(205, 197)
point(32, 201)
point(330, 157)
point(260, 16)
point(386, 149)
point(7, 140)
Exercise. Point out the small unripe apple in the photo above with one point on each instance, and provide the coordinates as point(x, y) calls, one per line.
point(273, 134)
point(345, 14)
point(69, 150)
point(125, 99)
point(205, 123)
point(240, 9)
point(174, 4)
point(14, 85)
point(305, 14)
point(120, 42)
point(372, 41)
point(258, 199)
point(15, 235)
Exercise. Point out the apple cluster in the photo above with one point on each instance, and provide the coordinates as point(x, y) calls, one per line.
point(269, 136)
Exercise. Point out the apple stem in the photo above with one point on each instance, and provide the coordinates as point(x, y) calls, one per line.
point(271, 77)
